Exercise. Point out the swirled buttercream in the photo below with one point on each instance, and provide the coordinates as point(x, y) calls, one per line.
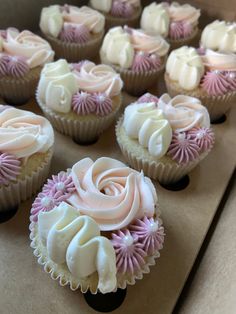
point(111, 193)
point(75, 240)
point(101, 5)
point(183, 13)
point(51, 20)
point(219, 61)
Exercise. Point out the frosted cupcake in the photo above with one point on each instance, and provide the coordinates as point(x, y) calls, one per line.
point(96, 227)
point(22, 56)
point(165, 138)
point(137, 56)
point(207, 75)
point(81, 100)
point(26, 142)
point(119, 12)
point(177, 23)
point(74, 33)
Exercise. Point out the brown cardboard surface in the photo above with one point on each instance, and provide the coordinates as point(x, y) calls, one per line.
point(214, 285)
point(25, 288)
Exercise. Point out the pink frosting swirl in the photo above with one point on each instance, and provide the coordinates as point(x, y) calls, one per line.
point(36, 50)
point(17, 67)
point(111, 193)
point(77, 66)
point(83, 103)
point(67, 33)
point(182, 148)
point(204, 137)
point(99, 79)
point(231, 78)
point(4, 60)
point(74, 33)
point(130, 255)
point(142, 62)
point(103, 104)
point(176, 30)
point(147, 98)
point(9, 168)
point(187, 29)
point(219, 61)
point(121, 9)
point(215, 83)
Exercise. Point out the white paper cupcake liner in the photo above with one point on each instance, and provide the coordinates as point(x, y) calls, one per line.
point(63, 275)
point(16, 192)
point(85, 130)
point(166, 172)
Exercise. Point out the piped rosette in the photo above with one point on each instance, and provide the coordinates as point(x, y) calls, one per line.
point(138, 56)
point(80, 99)
point(166, 138)
point(26, 141)
point(205, 74)
point(96, 226)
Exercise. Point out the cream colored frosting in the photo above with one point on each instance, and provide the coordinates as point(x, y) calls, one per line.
point(23, 133)
point(219, 60)
point(111, 193)
point(117, 48)
point(219, 35)
point(99, 78)
point(35, 49)
point(185, 66)
point(155, 19)
point(75, 240)
point(184, 13)
point(184, 112)
point(57, 85)
point(146, 123)
point(94, 20)
point(102, 5)
point(51, 20)
point(1, 43)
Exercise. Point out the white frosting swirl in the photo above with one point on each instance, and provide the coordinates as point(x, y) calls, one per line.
point(76, 241)
point(101, 5)
point(51, 20)
point(219, 61)
point(99, 79)
point(57, 85)
point(185, 66)
point(23, 133)
point(143, 121)
point(219, 35)
point(184, 112)
point(111, 193)
point(183, 12)
point(35, 49)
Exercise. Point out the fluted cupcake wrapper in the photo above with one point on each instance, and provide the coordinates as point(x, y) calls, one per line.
point(81, 130)
point(17, 91)
point(16, 192)
point(163, 171)
point(192, 40)
point(217, 106)
point(90, 283)
point(75, 52)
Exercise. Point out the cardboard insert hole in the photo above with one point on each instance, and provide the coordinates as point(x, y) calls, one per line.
point(86, 143)
point(177, 186)
point(8, 214)
point(15, 103)
point(219, 120)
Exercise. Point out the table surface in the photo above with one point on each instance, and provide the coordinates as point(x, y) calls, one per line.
point(187, 214)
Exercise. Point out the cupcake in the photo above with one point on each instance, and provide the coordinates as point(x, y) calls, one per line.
point(119, 12)
point(137, 56)
point(74, 33)
point(96, 226)
point(26, 143)
point(22, 56)
point(204, 74)
point(80, 99)
point(177, 23)
point(165, 138)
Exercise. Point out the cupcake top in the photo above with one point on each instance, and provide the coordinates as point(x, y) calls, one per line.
point(220, 36)
point(213, 72)
point(117, 8)
point(71, 24)
point(22, 134)
point(84, 87)
point(173, 20)
point(177, 127)
point(133, 49)
point(22, 51)
point(94, 196)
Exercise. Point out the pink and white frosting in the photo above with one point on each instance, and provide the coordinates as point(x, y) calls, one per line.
point(23, 133)
point(26, 47)
point(204, 137)
point(147, 98)
point(55, 20)
point(117, 8)
point(83, 103)
point(180, 30)
point(10, 167)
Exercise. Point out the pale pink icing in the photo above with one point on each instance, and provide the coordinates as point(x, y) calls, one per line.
point(4, 60)
point(99, 79)
point(184, 13)
point(36, 50)
point(103, 104)
point(182, 148)
point(187, 29)
point(3, 33)
point(204, 137)
point(176, 30)
point(130, 255)
point(9, 168)
point(83, 103)
point(121, 9)
point(215, 83)
point(67, 33)
point(111, 193)
point(148, 98)
point(149, 232)
point(142, 62)
point(23, 133)
point(77, 66)
point(74, 33)
point(82, 34)
point(17, 67)
point(219, 60)
point(231, 77)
